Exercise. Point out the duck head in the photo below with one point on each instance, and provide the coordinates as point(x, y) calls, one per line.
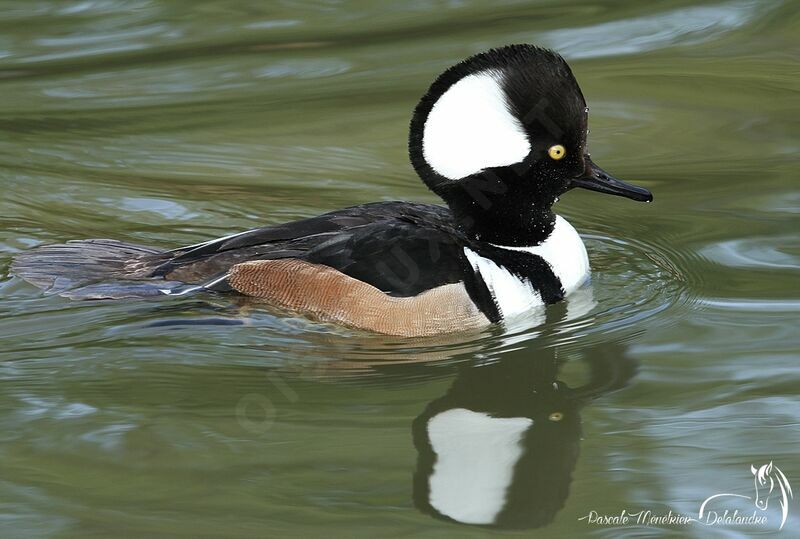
point(500, 136)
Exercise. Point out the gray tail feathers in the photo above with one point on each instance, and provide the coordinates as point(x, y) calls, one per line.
point(73, 269)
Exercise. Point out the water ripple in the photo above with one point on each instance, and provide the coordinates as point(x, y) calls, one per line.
point(759, 252)
point(692, 25)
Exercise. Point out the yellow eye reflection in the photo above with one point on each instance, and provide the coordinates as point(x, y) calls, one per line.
point(556, 416)
point(557, 152)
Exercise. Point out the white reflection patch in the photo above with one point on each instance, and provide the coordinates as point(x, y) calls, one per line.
point(475, 459)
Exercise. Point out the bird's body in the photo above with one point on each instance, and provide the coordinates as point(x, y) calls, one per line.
point(401, 268)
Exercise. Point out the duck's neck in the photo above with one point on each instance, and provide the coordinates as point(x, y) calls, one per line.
point(508, 222)
point(503, 208)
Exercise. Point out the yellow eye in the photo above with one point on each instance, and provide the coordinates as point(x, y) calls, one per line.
point(557, 152)
point(556, 416)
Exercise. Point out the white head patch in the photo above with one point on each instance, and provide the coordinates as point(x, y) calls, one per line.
point(470, 128)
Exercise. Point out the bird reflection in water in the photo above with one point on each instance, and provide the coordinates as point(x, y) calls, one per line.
point(499, 448)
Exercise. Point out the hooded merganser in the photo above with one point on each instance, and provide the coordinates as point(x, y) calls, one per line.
point(499, 136)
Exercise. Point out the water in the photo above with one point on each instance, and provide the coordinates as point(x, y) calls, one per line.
point(167, 123)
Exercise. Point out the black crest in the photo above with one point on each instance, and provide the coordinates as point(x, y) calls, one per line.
point(543, 95)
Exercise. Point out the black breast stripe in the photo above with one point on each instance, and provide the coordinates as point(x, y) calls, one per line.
point(528, 266)
point(480, 294)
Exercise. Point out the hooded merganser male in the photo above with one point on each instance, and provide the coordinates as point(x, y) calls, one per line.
point(499, 136)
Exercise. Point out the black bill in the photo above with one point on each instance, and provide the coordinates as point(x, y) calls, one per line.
point(597, 179)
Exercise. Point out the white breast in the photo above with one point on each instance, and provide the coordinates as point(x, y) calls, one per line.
point(513, 295)
point(563, 250)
